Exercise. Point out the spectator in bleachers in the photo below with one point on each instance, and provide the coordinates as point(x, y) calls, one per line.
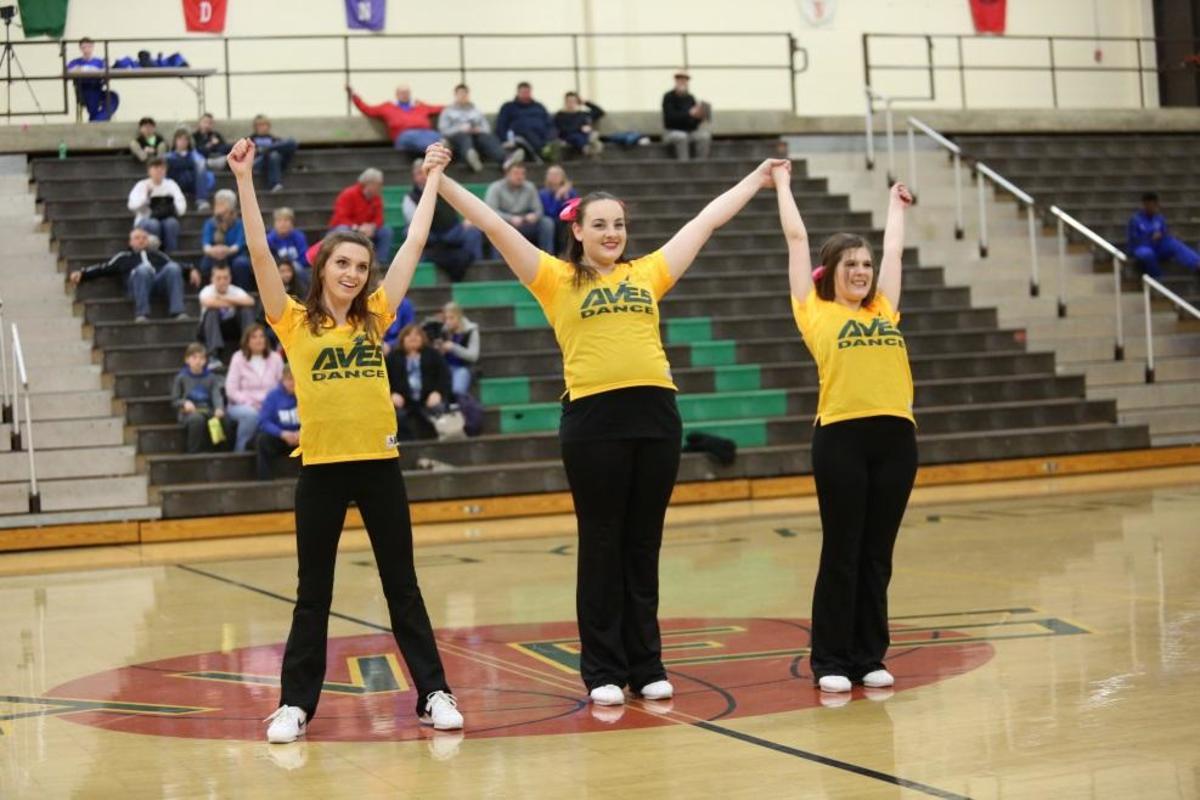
point(359, 207)
point(254, 370)
point(224, 241)
point(458, 342)
point(420, 384)
point(146, 271)
point(197, 395)
point(454, 245)
point(517, 201)
point(226, 311)
point(100, 101)
point(469, 133)
point(209, 143)
point(409, 124)
point(295, 281)
point(273, 154)
point(157, 203)
point(555, 193)
point(576, 124)
point(684, 118)
point(148, 145)
point(188, 168)
point(278, 424)
point(1150, 243)
point(525, 123)
point(406, 314)
point(287, 242)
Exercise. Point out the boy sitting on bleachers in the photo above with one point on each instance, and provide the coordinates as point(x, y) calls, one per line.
point(198, 395)
point(287, 242)
point(278, 424)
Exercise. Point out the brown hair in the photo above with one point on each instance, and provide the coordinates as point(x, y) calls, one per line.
point(831, 256)
point(245, 343)
point(583, 273)
point(317, 315)
point(193, 349)
point(409, 328)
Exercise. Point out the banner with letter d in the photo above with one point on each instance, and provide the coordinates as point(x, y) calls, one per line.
point(204, 16)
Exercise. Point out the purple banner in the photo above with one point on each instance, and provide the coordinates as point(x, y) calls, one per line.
point(365, 14)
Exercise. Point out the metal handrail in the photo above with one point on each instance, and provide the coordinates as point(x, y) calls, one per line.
point(982, 171)
point(955, 155)
point(889, 126)
point(1149, 283)
point(7, 402)
point(1118, 258)
point(20, 382)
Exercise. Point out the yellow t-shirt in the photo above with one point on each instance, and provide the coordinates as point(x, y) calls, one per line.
point(862, 361)
point(346, 411)
point(607, 329)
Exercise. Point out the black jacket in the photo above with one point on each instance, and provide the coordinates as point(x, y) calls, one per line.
point(435, 376)
point(573, 122)
point(123, 263)
point(675, 112)
point(209, 144)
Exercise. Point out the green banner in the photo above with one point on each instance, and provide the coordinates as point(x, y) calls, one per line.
point(44, 17)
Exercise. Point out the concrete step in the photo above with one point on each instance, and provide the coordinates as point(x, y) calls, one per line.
point(1132, 397)
point(1166, 420)
point(49, 378)
point(1071, 350)
point(14, 184)
point(46, 329)
point(18, 205)
point(1074, 326)
point(73, 494)
point(86, 516)
point(1116, 373)
point(73, 462)
point(30, 282)
point(66, 433)
point(71, 352)
point(70, 405)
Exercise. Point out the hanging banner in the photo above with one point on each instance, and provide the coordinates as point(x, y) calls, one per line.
point(204, 16)
point(817, 12)
point(988, 16)
point(42, 17)
point(365, 14)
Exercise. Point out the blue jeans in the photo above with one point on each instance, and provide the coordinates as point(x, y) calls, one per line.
point(246, 419)
point(540, 233)
point(460, 379)
point(144, 281)
point(486, 144)
point(1165, 249)
point(382, 241)
point(460, 236)
point(275, 161)
point(416, 140)
point(167, 231)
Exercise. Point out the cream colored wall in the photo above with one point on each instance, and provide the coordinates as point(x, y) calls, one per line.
point(831, 85)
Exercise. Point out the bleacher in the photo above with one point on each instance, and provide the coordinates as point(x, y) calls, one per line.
point(742, 369)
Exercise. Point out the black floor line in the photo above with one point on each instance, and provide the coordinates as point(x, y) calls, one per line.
point(746, 738)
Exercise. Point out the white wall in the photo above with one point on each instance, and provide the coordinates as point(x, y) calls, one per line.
point(832, 84)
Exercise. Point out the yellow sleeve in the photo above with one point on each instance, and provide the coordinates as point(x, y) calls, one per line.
point(654, 267)
point(545, 283)
point(378, 303)
point(805, 311)
point(291, 320)
point(886, 309)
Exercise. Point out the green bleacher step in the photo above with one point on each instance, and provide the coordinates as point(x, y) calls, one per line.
point(695, 409)
point(487, 294)
point(714, 354)
point(737, 378)
point(689, 329)
point(504, 391)
point(746, 432)
point(426, 274)
point(529, 315)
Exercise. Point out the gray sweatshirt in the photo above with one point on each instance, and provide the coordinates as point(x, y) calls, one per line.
point(511, 202)
point(206, 391)
point(456, 119)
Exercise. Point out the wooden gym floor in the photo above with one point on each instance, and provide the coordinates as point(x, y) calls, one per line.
point(1045, 645)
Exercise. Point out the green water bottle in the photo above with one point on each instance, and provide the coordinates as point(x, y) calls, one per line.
point(62, 149)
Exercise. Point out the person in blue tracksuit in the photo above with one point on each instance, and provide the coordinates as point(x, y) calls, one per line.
point(100, 101)
point(1150, 243)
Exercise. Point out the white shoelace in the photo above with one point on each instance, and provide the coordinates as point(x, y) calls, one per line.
point(279, 712)
point(439, 694)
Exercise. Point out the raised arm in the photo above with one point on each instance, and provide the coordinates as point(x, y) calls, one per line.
point(799, 255)
point(266, 274)
point(893, 244)
point(683, 247)
point(400, 273)
point(521, 256)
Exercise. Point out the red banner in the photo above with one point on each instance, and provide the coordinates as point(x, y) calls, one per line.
point(204, 16)
point(988, 15)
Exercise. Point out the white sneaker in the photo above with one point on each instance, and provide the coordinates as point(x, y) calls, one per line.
point(835, 683)
point(441, 711)
point(879, 679)
point(287, 724)
point(659, 690)
point(474, 160)
point(608, 695)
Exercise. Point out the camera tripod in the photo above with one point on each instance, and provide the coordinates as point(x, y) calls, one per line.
point(8, 57)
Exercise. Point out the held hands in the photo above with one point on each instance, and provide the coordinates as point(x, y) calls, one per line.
point(781, 175)
point(766, 170)
point(437, 158)
point(901, 194)
point(241, 158)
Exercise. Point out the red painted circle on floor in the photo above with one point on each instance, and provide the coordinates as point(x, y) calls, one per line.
point(511, 680)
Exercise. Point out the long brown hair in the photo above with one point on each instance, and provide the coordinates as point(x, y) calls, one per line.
point(831, 256)
point(249, 332)
point(318, 316)
point(583, 273)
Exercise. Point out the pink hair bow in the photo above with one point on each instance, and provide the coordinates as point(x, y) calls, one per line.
point(570, 211)
point(817, 273)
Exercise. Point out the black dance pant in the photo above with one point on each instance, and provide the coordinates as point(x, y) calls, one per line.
point(323, 493)
point(621, 489)
point(864, 471)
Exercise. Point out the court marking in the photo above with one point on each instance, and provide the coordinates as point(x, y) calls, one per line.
point(675, 716)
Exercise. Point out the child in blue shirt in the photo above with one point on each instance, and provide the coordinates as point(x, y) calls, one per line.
point(288, 243)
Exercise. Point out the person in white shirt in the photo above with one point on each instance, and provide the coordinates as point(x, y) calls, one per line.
point(225, 311)
point(157, 204)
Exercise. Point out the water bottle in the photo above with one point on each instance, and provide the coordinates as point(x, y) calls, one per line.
point(62, 149)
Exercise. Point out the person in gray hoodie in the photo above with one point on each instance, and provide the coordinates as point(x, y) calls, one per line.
point(197, 395)
point(467, 130)
point(458, 342)
point(516, 200)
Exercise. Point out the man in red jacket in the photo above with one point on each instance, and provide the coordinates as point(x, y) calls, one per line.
point(360, 208)
point(408, 123)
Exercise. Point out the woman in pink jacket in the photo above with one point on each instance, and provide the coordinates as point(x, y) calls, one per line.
point(254, 371)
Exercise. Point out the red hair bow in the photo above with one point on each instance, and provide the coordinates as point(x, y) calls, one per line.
point(570, 211)
point(818, 272)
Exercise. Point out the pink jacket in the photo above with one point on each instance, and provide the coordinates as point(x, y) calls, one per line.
point(247, 386)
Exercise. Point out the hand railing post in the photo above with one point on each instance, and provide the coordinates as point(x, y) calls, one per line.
point(21, 380)
point(1149, 332)
point(891, 141)
point(983, 237)
point(6, 406)
point(1034, 278)
point(959, 231)
point(1119, 348)
point(870, 125)
point(1062, 268)
point(912, 163)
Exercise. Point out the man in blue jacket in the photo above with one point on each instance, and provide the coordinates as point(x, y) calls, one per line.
point(525, 123)
point(1149, 242)
point(100, 101)
point(278, 424)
